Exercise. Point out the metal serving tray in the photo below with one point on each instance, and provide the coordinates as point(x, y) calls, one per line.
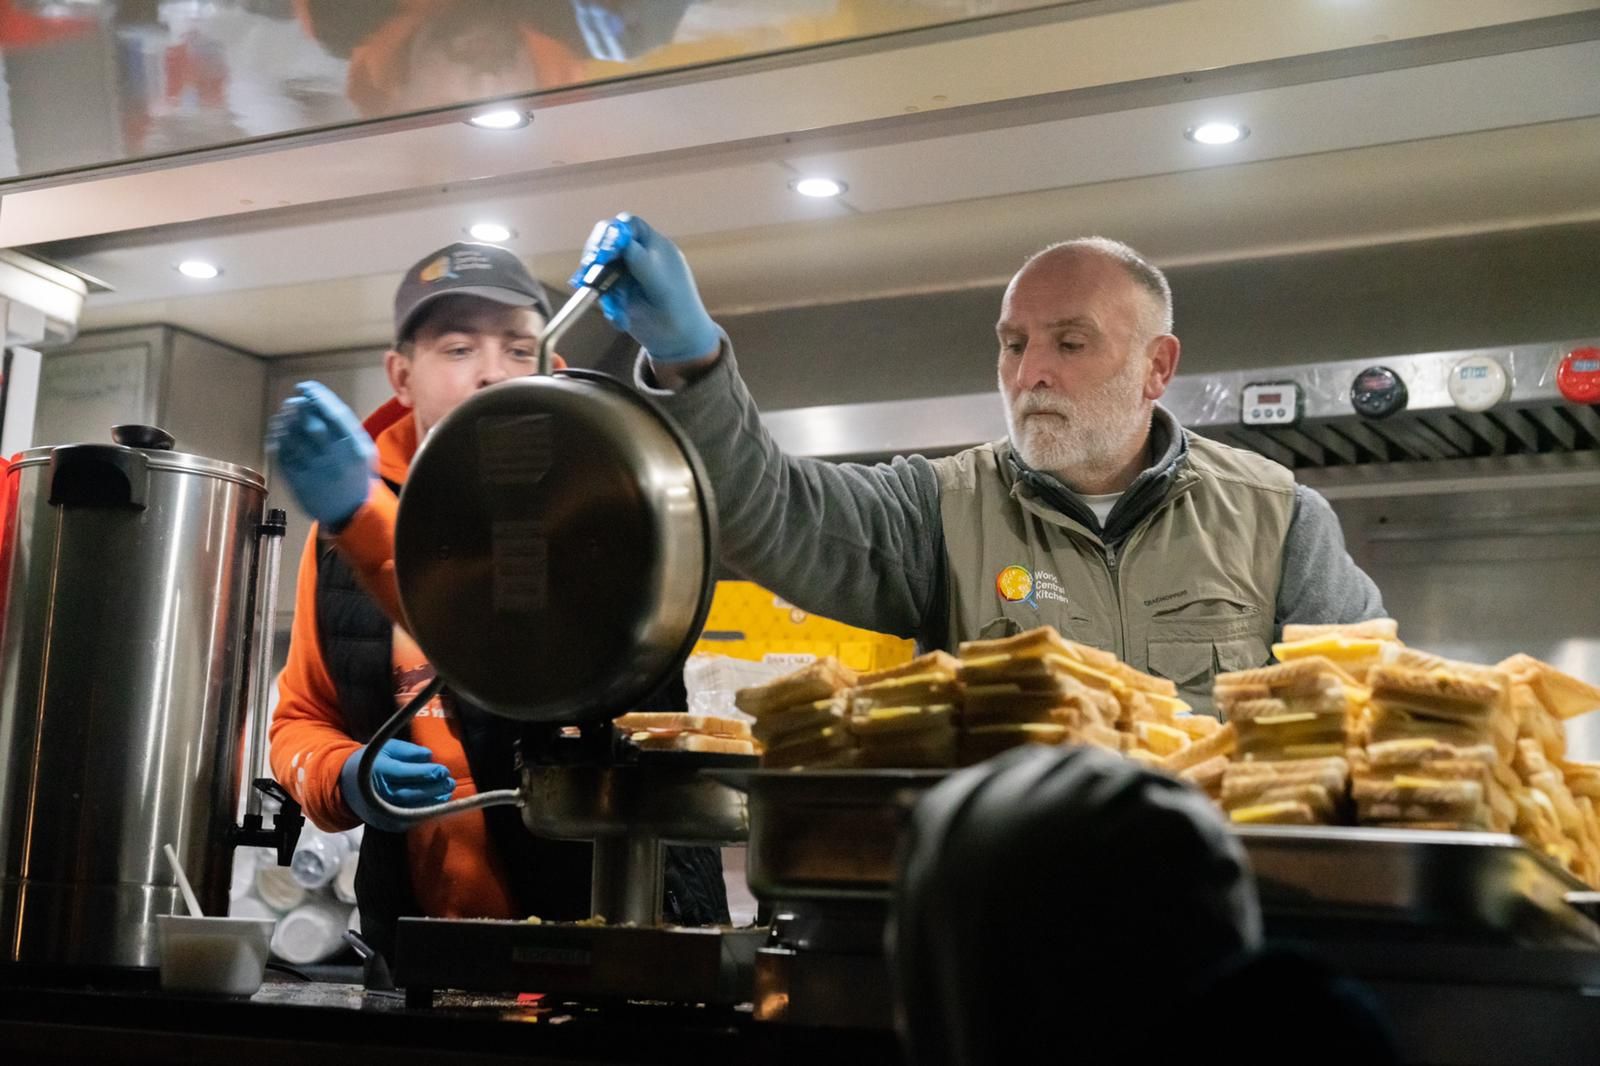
point(1428, 883)
point(826, 834)
point(833, 836)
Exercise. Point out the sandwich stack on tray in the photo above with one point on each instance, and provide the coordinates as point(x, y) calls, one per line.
point(1436, 747)
point(1355, 649)
point(1034, 688)
point(940, 711)
point(1547, 782)
point(1204, 760)
point(1436, 744)
point(1038, 687)
point(665, 731)
point(1349, 726)
point(800, 719)
point(905, 716)
point(1292, 718)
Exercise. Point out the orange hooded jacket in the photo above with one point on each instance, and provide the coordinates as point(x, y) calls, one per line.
point(455, 873)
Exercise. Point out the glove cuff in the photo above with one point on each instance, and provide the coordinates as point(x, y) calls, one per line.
point(350, 788)
point(705, 340)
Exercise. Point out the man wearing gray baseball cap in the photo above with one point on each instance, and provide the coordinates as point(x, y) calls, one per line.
point(466, 317)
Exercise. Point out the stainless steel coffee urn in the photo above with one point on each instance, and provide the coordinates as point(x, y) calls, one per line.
point(138, 603)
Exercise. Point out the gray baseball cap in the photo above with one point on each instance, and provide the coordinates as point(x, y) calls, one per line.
point(466, 269)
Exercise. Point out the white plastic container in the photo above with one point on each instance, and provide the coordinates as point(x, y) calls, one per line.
point(213, 956)
point(344, 883)
point(250, 907)
point(318, 857)
point(245, 863)
point(311, 933)
point(276, 887)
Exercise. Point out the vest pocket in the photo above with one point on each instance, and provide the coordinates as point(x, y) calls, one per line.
point(1245, 654)
point(996, 628)
point(1186, 664)
point(1191, 652)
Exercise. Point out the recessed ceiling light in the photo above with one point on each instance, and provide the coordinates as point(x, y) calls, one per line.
point(821, 188)
point(198, 269)
point(493, 232)
point(501, 118)
point(1217, 133)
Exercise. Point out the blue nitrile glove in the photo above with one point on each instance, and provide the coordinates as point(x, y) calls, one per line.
point(404, 774)
point(656, 300)
point(323, 452)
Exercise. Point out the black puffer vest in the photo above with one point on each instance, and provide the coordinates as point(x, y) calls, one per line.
point(548, 878)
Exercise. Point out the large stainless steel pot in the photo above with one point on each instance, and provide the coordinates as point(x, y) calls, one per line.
point(125, 663)
point(554, 549)
point(554, 557)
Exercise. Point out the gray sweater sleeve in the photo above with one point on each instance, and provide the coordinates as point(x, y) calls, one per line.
point(860, 544)
point(1320, 582)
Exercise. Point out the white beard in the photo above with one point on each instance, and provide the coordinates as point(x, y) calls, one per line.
point(1085, 438)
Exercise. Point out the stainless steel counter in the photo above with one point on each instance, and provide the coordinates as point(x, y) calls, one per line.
point(310, 1022)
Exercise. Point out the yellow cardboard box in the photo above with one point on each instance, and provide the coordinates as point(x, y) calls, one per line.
point(748, 622)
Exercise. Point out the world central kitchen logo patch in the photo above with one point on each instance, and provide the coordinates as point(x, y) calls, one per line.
point(1017, 584)
point(437, 270)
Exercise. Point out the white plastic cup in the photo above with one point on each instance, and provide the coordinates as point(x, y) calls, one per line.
point(213, 956)
point(250, 907)
point(344, 882)
point(276, 887)
point(317, 857)
point(245, 863)
point(310, 933)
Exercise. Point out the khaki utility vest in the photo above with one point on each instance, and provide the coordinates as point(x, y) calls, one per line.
point(1190, 592)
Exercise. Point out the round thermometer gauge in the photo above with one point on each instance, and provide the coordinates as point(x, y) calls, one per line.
point(1478, 382)
point(1378, 392)
point(1578, 376)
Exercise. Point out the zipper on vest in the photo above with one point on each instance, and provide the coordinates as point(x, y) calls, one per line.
point(1108, 555)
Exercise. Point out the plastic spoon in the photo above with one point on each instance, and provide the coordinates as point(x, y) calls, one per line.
point(183, 882)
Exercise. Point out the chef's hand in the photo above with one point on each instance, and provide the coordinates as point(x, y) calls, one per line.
point(404, 774)
point(323, 452)
point(656, 300)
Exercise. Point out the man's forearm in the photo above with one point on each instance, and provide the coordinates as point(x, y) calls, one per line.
point(860, 544)
point(674, 376)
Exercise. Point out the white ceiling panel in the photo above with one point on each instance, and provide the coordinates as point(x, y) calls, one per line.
point(1490, 92)
point(731, 197)
point(1496, 180)
point(1089, 45)
point(1043, 132)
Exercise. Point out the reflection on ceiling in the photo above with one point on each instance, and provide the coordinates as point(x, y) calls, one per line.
point(1368, 124)
point(181, 75)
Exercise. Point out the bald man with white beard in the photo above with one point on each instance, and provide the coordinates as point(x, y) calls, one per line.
point(1098, 514)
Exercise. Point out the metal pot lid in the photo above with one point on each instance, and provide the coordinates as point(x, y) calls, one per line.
point(156, 446)
point(554, 548)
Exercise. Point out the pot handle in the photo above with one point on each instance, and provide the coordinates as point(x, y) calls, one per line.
point(588, 284)
point(98, 475)
point(134, 435)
